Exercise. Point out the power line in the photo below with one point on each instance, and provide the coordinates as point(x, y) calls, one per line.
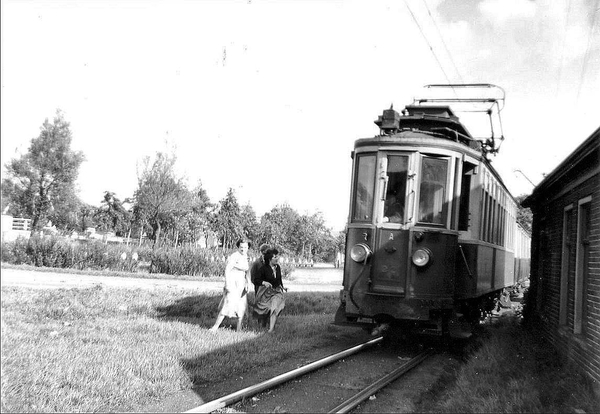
point(562, 52)
point(587, 50)
point(429, 44)
point(443, 42)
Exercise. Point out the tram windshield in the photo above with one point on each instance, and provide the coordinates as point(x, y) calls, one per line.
point(364, 186)
point(395, 196)
point(432, 194)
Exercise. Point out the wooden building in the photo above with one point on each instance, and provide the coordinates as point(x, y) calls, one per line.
point(564, 295)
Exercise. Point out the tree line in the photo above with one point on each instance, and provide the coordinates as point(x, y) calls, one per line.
point(41, 185)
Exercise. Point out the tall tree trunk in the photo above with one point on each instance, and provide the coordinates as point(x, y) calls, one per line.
point(157, 234)
point(40, 210)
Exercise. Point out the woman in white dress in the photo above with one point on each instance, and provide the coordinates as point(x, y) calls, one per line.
point(234, 302)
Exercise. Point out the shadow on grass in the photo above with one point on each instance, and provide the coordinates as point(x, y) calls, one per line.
point(228, 361)
point(196, 309)
point(202, 310)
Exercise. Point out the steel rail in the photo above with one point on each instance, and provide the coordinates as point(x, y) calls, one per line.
point(280, 379)
point(363, 395)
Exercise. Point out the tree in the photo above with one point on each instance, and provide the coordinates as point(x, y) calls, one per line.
point(304, 234)
point(85, 217)
point(524, 214)
point(44, 178)
point(340, 242)
point(249, 222)
point(160, 192)
point(279, 226)
point(227, 220)
point(192, 220)
point(65, 208)
point(199, 216)
point(316, 238)
point(112, 216)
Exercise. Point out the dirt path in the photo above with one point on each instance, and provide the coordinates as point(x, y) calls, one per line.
point(57, 280)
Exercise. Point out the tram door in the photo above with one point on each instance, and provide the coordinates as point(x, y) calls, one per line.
point(388, 275)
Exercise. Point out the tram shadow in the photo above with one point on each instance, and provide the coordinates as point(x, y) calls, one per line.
point(225, 361)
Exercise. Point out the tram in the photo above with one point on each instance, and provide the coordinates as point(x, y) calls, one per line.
point(432, 232)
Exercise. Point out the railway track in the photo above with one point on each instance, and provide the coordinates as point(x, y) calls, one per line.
point(358, 397)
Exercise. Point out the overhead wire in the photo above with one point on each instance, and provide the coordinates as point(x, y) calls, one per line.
point(562, 52)
point(458, 73)
point(443, 42)
point(587, 50)
point(429, 44)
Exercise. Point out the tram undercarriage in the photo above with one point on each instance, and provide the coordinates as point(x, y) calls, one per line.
point(457, 322)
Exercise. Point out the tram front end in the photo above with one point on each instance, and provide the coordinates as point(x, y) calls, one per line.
point(400, 245)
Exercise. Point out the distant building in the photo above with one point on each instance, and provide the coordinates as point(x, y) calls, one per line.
point(207, 240)
point(15, 227)
point(565, 257)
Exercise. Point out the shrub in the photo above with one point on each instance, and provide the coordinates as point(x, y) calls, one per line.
point(186, 260)
point(90, 255)
point(286, 269)
point(60, 252)
point(49, 251)
point(15, 252)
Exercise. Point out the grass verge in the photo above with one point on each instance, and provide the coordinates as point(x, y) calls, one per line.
point(116, 273)
point(108, 273)
point(511, 369)
point(102, 349)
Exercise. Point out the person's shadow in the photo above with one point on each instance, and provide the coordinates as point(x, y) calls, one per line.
point(216, 369)
point(202, 310)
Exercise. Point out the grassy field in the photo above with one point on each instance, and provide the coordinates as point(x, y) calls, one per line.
point(98, 349)
point(104, 349)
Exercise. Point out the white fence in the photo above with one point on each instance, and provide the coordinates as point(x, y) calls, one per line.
point(13, 227)
point(21, 224)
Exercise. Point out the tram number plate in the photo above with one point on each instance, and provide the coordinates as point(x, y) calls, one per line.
point(364, 320)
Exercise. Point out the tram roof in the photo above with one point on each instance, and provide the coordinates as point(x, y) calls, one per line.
point(436, 120)
point(430, 122)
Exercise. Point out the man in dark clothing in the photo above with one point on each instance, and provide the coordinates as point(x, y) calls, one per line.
point(258, 263)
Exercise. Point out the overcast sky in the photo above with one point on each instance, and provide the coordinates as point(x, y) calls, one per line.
point(268, 97)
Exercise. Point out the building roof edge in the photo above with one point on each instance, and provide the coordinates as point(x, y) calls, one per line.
point(586, 147)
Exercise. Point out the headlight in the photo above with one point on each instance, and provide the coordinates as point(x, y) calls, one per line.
point(360, 252)
point(421, 257)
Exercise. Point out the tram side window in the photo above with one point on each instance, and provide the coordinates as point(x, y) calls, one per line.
point(494, 223)
point(490, 216)
point(465, 196)
point(396, 189)
point(432, 192)
point(364, 187)
point(484, 226)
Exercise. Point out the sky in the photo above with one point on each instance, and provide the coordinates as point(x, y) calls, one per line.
point(268, 97)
